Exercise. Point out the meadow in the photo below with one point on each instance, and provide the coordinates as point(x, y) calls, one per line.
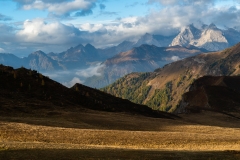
point(107, 135)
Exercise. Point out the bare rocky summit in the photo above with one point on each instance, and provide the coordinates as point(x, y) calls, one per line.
point(208, 37)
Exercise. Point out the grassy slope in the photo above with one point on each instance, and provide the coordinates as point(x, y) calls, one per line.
point(104, 134)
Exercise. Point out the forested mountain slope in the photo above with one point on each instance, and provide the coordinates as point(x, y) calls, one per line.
point(163, 88)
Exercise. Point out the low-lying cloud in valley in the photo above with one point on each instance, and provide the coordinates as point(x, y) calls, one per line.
point(172, 59)
point(71, 77)
point(91, 71)
point(72, 82)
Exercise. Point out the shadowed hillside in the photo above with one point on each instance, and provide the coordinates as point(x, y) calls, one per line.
point(221, 94)
point(28, 92)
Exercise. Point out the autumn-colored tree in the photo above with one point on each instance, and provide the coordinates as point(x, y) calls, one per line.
point(43, 83)
point(40, 76)
point(14, 75)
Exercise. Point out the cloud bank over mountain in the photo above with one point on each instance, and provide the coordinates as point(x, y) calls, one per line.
point(61, 28)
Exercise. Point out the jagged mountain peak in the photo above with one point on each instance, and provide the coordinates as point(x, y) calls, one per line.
point(39, 52)
point(187, 36)
point(208, 37)
point(146, 35)
point(147, 39)
point(125, 43)
point(212, 26)
point(89, 46)
point(79, 46)
point(204, 26)
point(191, 27)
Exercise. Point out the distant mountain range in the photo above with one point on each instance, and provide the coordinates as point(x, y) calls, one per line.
point(146, 54)
point(163, 88)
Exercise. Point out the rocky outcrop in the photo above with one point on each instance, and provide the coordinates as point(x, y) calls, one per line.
point(40, 61)
point(209, 37)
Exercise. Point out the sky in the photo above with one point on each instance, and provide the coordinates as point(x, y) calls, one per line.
point(56, 25)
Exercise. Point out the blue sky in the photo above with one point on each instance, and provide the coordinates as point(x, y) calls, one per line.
point(55, 25)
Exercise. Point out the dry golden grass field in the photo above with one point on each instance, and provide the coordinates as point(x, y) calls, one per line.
point(106, 135)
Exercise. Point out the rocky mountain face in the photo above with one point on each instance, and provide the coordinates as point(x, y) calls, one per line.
point(37, 61)
point(163, 88)
point(157, 40)
point(40, 61)
point(219, 93)
point(80, 53)
point(209, 37)
point(112, 51)
point(10, 60)
point(145, 58)
point(78, 57)
point(75, 57)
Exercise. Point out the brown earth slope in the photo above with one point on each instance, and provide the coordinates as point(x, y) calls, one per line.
point(163, 88)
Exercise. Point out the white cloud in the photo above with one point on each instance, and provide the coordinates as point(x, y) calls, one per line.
point(183, 2)
point(2, 50)
point(58, 7)
point(92, 27)
point(72, 82)
point(38, 31)
point(175, 58)
point(91, 71)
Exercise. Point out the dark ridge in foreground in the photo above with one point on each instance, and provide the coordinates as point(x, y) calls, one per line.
point(24, 91)
point(219, 93)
